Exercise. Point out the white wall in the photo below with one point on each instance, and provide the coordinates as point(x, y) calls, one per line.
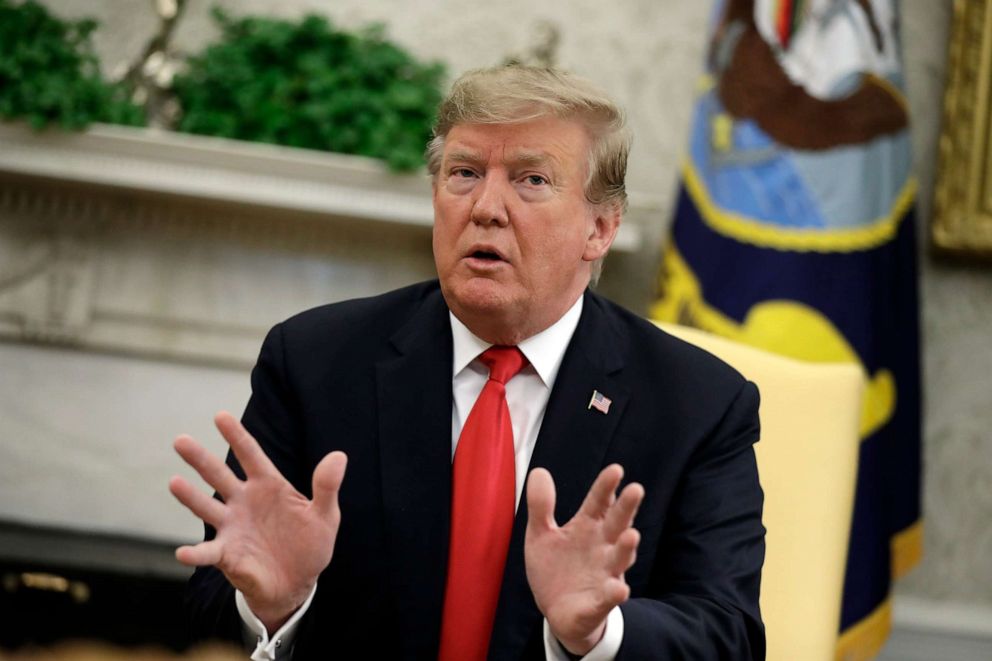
point(64, 413)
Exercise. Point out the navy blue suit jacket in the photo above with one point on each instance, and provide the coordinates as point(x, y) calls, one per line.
point(372, 377)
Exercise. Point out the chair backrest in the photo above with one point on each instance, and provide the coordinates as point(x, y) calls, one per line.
point(807, 464)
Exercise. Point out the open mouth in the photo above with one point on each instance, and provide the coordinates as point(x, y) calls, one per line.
point(487, 255)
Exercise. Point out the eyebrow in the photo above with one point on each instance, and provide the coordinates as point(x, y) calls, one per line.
point(524, 158)
point(532, 158)
point(464, 155)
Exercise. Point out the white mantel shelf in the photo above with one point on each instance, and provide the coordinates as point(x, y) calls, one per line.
point(234, 171)
point(169, 245)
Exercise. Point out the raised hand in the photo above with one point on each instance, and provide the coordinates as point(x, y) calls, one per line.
point(272, 541)
point(576, 571)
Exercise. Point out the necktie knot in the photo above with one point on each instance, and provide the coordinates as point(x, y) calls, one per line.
point(503, 362)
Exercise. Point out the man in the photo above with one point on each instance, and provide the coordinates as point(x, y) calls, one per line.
point(443, 395)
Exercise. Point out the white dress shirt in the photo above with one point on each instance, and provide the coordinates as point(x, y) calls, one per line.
point(527, 398)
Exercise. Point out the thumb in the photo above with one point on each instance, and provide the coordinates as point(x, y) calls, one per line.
point(541, 500)
point(327, 478)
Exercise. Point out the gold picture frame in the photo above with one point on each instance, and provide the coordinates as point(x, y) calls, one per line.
point(962, 222)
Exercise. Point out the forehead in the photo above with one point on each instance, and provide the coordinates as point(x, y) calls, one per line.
point(562, 142)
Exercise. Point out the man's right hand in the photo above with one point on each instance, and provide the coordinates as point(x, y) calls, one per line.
point(272, 541)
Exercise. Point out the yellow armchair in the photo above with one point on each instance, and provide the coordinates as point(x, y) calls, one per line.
point(807, 464)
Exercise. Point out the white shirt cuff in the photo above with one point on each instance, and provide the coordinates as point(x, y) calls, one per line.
point(605, 650)
point(281, 642)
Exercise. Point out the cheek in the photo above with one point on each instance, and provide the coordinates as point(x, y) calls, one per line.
point(562, 240)
point(447, 241)
point(445, 232)
point(442, 244)
point(554, 256)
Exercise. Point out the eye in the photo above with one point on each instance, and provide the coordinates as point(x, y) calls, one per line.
point(536, 180)
point(462, 173)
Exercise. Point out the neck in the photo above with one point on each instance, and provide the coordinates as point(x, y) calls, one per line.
point(498, 329)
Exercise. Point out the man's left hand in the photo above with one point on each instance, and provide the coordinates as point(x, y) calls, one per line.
point(576, 571)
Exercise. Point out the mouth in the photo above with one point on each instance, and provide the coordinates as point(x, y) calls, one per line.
point(485, 254)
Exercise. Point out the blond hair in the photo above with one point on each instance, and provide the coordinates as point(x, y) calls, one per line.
point(516, 94)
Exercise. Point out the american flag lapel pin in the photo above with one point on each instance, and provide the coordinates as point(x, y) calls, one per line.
point(600, 402)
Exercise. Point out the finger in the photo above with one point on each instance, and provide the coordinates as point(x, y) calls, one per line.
point(210, 510)
point(624, 553)
point(541, 500)
point(621, 515)
point(204, 553)
point(211, 468)
point(602, 492)
point(327, 479)
point(251, 457)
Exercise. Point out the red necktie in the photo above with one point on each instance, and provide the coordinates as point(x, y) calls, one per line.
point(483, 493)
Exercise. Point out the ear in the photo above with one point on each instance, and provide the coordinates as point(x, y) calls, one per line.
point(603, 226)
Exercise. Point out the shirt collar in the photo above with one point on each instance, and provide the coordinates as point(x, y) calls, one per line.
point(544, 351)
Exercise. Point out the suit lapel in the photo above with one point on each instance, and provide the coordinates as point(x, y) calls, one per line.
point(572, 445)
point(414, 393)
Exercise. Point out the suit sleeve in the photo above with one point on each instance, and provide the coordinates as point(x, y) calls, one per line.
point(702, 597)
point(269, 416)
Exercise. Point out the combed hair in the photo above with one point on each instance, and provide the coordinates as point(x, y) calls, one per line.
point(516, 94)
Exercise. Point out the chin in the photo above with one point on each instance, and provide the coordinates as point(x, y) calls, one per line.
point(478, 294)
point(479, 300)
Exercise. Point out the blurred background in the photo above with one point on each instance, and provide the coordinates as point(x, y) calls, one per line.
point(140, 267)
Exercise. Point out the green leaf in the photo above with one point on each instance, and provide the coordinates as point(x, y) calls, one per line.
point(308, 84)
point(49, 73)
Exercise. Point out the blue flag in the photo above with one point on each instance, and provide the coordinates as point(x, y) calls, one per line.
point(794, 232)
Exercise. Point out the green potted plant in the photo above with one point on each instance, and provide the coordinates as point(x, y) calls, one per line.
point(308, 84)
point(50, 75)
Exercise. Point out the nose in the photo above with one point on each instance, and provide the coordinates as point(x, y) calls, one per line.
point(490, 203)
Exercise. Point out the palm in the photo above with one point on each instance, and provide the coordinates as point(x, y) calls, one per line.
point(576, 571)
point(272, 542)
